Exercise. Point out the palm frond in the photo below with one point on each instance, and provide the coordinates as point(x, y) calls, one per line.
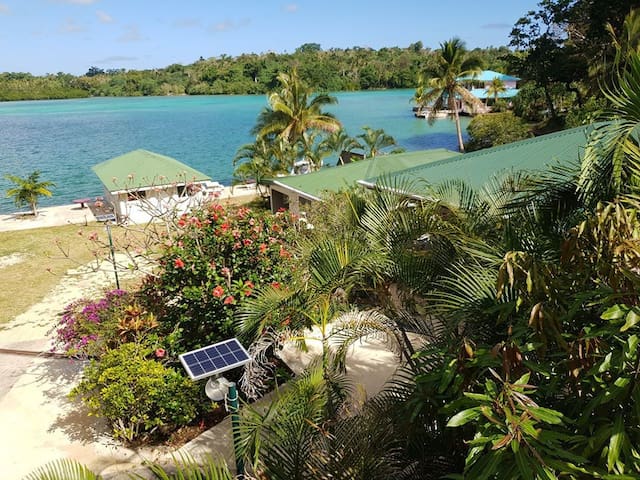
point(63, 469)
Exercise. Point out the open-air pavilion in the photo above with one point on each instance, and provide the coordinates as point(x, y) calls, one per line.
point(142, 185)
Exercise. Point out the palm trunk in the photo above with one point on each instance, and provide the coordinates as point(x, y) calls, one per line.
point(34, 209)
point(456, 116)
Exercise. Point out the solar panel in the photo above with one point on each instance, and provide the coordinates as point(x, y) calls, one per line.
point(214, 359)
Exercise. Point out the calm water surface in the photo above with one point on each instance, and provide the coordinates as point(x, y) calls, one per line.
point(64, 138)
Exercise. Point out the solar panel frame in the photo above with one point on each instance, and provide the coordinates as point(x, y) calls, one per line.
point(214, 359)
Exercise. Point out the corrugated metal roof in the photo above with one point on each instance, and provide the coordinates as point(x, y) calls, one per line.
point(141, 168)
point(477, 168)
point(336, 178)
point(482, 93)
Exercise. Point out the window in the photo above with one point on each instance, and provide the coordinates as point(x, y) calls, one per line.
point(136, 195)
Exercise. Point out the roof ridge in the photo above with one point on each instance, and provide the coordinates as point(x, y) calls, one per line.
point(499, 148)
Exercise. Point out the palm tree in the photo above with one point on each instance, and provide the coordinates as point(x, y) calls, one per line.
point(611, 162)
point(340, 141)
point(444, 87)
point(293, 111)
point(495, 88)
point(377, 140)
point(28, 190)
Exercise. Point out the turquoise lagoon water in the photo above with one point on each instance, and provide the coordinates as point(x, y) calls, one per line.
point(64, 138)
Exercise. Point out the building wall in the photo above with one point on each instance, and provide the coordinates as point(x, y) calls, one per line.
point(153, 203)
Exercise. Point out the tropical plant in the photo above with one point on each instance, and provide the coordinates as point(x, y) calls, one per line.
point(184, 467)
point(495, 88)
point(490, 130)
point(213, 265)
point(340, 141)
point(136, 393)
point(63, 470)
point(376, 140)
point(445, 90)
point(611, 163)
point(28, 190)
point(294, 112)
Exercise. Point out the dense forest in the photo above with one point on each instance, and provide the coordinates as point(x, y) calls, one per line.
point(332, 70)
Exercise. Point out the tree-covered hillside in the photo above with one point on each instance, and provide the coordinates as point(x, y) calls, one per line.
point(331, 70)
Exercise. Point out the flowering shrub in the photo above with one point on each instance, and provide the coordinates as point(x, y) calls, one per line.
point(84, 326)
point(216, 261)
point(137, 393)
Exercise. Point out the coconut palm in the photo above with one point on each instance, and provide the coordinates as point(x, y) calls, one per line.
point(443, 89)
point(374, 141)
point(293, 111)
point(340, 141)
point(495, 88)
point(28, 190)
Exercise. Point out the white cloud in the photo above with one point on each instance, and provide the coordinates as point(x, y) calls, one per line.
point(228, 25)
point(71, 26)
point(104, 17)
point(4, 9)
point(131, 34)
point(291, 8)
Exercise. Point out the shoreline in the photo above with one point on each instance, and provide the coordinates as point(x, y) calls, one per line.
point(72, 214)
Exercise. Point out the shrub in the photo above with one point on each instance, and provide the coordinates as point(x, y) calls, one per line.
point(215, 262)
point(136, 393)
point(495, 129)
point(86, 327)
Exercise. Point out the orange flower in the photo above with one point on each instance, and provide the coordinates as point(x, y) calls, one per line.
point(218, 291)
point(178, 263)
point(229, 300)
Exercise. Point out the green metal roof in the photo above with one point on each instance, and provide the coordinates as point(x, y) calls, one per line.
point(336, 178)
point(477, 168)
point(141, 168)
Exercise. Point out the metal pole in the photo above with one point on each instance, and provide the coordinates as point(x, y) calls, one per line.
point(113, 255)
point(232, 399)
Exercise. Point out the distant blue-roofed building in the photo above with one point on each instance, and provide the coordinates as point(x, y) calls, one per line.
point(478, 84)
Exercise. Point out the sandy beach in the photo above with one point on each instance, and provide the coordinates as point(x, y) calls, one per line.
point(76, 215)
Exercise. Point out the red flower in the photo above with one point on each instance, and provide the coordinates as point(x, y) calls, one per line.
point(249, 284)
point(218, 291)
point(247, 242)
point(263, 248)
point(160, 352)
point(275, 284)
point(229, 300)
point(178, 263)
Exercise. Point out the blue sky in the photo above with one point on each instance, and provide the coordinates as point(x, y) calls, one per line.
point(50, 36)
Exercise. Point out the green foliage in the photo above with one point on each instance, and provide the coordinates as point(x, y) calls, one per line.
point(28, 190)
point(136, 393)
point(213, 266)
point(63, 470)
point(441, 89)
point(490, 130)
point(87, 328)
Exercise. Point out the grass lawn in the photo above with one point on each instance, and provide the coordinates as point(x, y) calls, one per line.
point(42, 263)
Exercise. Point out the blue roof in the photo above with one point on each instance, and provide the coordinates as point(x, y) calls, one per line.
point(488, 75)
point(482, 93)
